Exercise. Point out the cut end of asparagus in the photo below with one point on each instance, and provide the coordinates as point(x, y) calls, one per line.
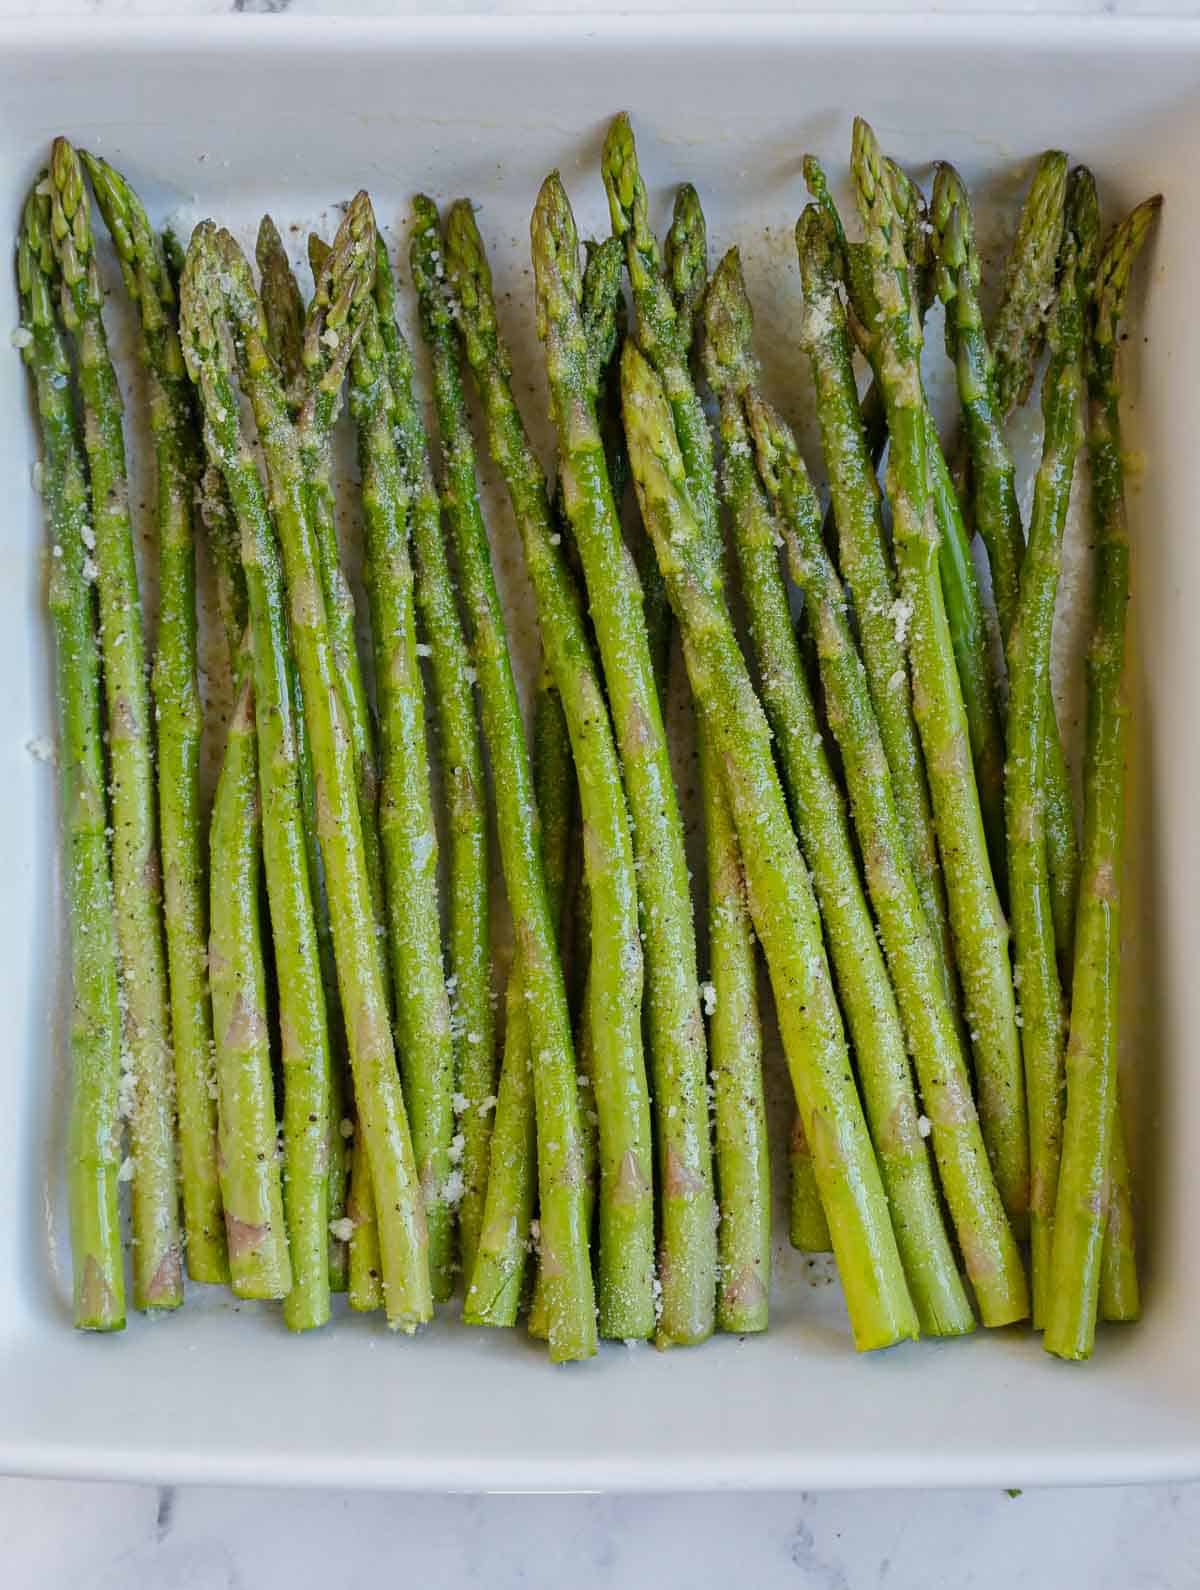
point(729, 361)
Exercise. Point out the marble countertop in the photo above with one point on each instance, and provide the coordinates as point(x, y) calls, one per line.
point(62, 1536)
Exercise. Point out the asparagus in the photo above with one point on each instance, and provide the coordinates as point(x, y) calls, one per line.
point(283, 308)
point(136, 870)
point(554, 786)
point(1120, 1293)
point(1018, 328)
point(1017, 335)
point(468, 931)
point(329, 342)
point(563, 1202)
point(978, 684)
point(864, 559)
point(1029, 651)
point(314, 423)
point(406, 820)
point(867, 999)
point(176, 694)
point(1092, 1147)
point(735, 1033)
point(307, 1144)
point(994, 501)
point(665, 298)
point(979, 929)
point(626, 1220)
point(743, 1171)
point(94, 1141)
point(808, 1230)
point(251, 1185)
point(781, 901)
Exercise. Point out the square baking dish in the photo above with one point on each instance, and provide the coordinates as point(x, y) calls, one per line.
point(230, 118)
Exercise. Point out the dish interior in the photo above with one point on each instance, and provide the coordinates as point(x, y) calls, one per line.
point(230, 124)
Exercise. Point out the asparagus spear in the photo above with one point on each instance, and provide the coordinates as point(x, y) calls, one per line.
point(1017, 335)
point(734, 1030)
point(94, 1141)
point(866, 993)
point(980, 932)
point(781, 900)
point(554, 785)
point(808, 1230)
point(251, 1186)
point(303, 1020)
point(865, 562)
point(626, 1268)
point(469, 936)
point(571, 1319)
point(406, 820)
point(342, 291)
point(150, 287)
point(1018, 329)
point(137, 874)
point(1120, 1292)
point(283, 308)
point(315, 423)
point(994, 501)
point(1029, 653)
point(743, 1170)
point(1091, 1147)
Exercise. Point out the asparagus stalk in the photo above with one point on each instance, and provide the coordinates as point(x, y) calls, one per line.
point(303, 1021)
point(554, 785)
point(1092, 1146)
point(867, 999)
point(1018, 329)
point(137, 873)
point(808, 1230)
point(451, 678)
point(735, 1037)
point(781, 899)
point(994, 501)
point(94, 1142)
point(626, 1267)
point(864, 559)
point(1029, 651)
point(563, 1203)
point(251, 1185)
point(1120, 1292)
point(314, 425)
point(330, 338)
point(149, 284)
point(283, 308)
point(406, 820)
point(1017, 335)
point(980, 932)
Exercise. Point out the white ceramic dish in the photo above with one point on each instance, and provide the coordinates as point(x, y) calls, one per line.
point(225, 119)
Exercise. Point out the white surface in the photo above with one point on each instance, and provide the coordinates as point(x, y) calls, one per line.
point(59, 1535)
